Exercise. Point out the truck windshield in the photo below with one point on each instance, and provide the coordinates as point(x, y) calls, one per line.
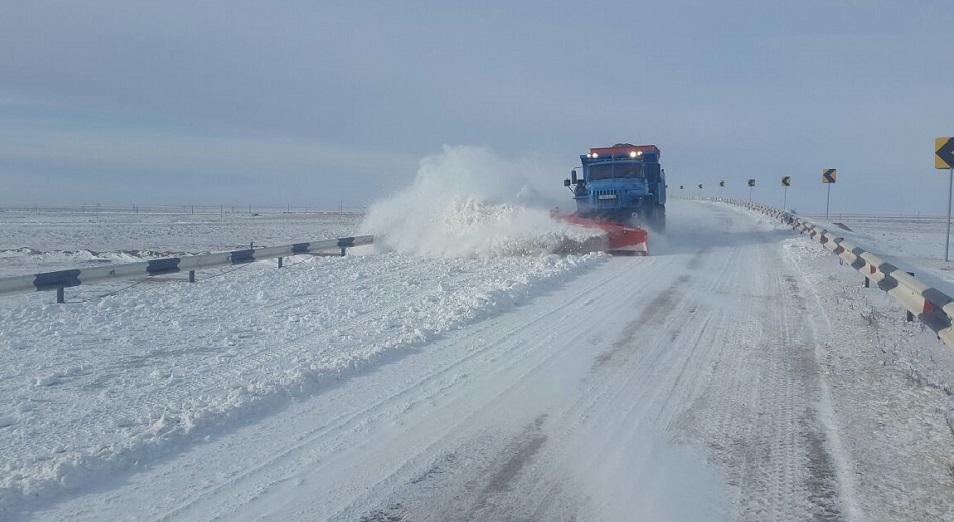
point(620, 169)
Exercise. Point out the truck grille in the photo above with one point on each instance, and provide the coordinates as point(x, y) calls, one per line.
point(606, 198)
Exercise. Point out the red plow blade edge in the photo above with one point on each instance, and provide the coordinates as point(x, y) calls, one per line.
point(620, 240)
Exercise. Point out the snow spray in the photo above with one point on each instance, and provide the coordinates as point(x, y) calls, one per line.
point(468, 202)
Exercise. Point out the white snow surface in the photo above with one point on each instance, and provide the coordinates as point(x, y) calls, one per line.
point(737, 373)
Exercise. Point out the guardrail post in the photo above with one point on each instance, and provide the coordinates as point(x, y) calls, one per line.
point(909, 316)
point(280, 262)
point(191, 276)
point(60, 295)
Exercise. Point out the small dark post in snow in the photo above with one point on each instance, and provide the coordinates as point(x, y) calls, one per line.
point(280, 262)
point(909, 316)
point(191, 276)
point(867, 283)
point(60, 297)
point(343, 251)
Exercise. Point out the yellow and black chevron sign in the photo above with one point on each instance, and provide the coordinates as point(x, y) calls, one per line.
point(787, 181)
point(944, 153)
point(829, 175)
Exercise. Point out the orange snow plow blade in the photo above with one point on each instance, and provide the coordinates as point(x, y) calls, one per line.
point(620, 240)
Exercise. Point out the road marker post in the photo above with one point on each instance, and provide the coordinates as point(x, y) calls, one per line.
point(944, 159)
point(786, 182)
point(829, 176)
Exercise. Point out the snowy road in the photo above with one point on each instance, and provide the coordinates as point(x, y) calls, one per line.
point(694, 384)
point(608, 397)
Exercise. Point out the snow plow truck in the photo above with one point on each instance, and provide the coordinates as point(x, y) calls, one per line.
point(620, 188)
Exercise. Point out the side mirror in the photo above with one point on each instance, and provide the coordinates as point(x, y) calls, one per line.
point(573, 177)
point(566, 183)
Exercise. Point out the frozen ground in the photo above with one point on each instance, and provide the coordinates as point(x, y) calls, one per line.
point(738, 373)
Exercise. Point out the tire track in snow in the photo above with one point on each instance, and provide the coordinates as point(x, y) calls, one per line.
point(766, 429)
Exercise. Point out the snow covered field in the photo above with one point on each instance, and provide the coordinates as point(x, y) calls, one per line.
point(738, 373)
point(42, 240)
point(915, 243)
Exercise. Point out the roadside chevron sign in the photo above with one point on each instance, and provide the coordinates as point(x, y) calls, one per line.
point(829, 175)
point(787, 181)
point(944, 153)
point(751, 182)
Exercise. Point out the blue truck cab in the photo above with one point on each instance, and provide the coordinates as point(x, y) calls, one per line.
point(623, 184)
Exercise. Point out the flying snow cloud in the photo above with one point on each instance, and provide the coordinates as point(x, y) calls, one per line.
point(467, 201)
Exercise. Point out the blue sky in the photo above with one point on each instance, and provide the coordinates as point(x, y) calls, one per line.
point(317, 103)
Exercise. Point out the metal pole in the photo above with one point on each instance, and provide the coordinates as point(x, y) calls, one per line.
point(828, 205)
point(785, 199)
point(947, 244)
point(750, 194)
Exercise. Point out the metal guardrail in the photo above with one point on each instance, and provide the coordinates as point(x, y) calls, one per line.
point(69, 278)
point(931, 306)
